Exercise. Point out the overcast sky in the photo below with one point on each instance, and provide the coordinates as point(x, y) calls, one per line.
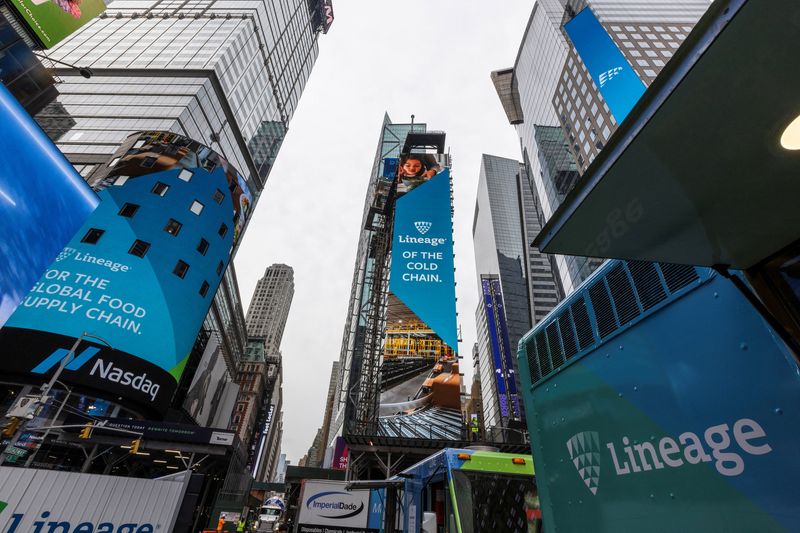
point(431, 58)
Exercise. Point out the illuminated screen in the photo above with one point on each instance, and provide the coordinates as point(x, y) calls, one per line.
point(420, 379)
point(140, 273)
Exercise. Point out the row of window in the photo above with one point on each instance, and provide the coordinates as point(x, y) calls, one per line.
point(139, 248)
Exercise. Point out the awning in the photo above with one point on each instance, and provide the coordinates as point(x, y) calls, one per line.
point(696, 173)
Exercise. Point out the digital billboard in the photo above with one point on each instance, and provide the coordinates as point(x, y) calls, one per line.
point(206, 392)
point(140, 273)
point(420, 378)
point(43, 202)
point(51, 21)
point(618, 83)
point(500, 347)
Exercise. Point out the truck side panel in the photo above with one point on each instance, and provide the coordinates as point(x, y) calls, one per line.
point(685, 421)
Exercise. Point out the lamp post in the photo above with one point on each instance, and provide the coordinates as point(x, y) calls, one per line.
point(49, 385)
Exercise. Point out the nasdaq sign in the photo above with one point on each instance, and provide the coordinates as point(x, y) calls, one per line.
point(618, 83)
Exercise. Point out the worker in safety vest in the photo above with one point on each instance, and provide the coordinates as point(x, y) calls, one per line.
point(475, 429)
point(221, 523)
point(240, 525)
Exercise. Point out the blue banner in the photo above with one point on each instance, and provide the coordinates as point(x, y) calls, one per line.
point(618, 83)
point(43, 202)
point(494, 345)
point(507, 351)
point(422, 274)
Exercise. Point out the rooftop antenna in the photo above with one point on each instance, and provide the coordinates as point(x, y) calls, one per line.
point(412, 122)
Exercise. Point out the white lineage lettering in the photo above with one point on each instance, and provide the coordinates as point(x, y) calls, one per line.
point(691, 449)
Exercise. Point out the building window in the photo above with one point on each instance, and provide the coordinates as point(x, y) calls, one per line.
point(202, 246)
point(148, 162)
point(196, 207)
point(173, 227)
point(223, 230)
point(185, 175)
point(180, 269)
point(114, 162)
point(139, 248)
point(120, 181)
point(219, 196)
point(160, 188)
point(220, 266)
point(204, 289)
point(128, 210)
point(93, 235)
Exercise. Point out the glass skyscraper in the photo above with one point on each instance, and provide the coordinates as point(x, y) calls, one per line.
point(226, 73)
point(516, 283)
point(559, 113)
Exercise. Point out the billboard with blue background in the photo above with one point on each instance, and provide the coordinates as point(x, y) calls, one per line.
point(422, 274)
point(140, 273)
point(618, 83)
point(43, 202)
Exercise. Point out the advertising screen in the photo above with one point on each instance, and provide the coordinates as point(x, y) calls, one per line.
point(43, 202)
point(205, 395)
point(501, 349)
point(140, 273)
point(54, 20)
point(618, 83)
point(420, 379)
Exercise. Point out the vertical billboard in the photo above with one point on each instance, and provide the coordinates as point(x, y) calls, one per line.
point(51, 21)
point(205, 395)
point(618, 83)
point(340, 454)
point(43, 202)
point(140, 273)
point(500, 347)
point(420, 379)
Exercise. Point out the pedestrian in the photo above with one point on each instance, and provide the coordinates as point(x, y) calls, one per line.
point(221, 523)
point(240, 526)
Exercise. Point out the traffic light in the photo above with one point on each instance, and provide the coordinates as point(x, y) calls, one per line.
point(86, 432)
point(135, 445)
point(11, 426)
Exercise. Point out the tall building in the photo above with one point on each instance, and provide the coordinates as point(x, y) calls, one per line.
point(517, 286)
point(269, 307)
point(226, 74)
point(562, 117)
point(399, 385)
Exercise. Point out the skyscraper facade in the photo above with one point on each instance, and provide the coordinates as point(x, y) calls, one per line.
point(226, 74)
point(269, 307)
point(516, 286)
point(560, 114)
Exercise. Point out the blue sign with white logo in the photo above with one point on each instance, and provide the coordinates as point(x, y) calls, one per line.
point(43, 202)
point(140, 273)
point(422, 274)
point(618, 83)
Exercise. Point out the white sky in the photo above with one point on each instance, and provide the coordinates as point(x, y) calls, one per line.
point(431, 58)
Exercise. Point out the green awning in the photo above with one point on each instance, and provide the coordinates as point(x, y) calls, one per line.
point(696, 173)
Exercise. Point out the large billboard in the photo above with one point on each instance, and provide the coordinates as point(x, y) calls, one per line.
point(420, 378)
point(43, 201)
point(500, 346)
point(140, 273)
point(206, 392)
point(51, 21)
point(618, 83)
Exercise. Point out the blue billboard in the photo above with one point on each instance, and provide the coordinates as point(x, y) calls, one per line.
point(422, 274)
point(618, 83)
point(140, 273)
point(43, 202)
